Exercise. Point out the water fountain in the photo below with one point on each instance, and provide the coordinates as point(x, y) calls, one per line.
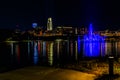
point(92, 43)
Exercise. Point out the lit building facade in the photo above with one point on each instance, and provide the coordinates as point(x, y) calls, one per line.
point(49, 24)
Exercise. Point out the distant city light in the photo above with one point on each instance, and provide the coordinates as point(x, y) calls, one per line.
point(34, 25)
point(49, 24)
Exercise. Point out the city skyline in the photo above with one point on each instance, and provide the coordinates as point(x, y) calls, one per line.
point(103, 14)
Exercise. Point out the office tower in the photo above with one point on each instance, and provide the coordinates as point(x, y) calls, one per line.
point(76, 31)
point(49, 24)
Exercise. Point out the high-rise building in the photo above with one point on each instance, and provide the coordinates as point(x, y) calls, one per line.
point(49, 24)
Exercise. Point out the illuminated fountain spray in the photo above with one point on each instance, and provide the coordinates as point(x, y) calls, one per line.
point(92, 44)
point(90, 32)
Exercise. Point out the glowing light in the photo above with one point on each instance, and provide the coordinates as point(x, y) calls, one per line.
point(92, 43)
point(34, 25)
point(58, 40)
point(49, 24)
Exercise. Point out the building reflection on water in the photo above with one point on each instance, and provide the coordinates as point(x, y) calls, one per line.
point(17, 52)
point(35, 56)
point(40, 52)
point(50, 53)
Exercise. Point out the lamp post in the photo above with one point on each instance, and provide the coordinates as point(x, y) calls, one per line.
point(111, 60)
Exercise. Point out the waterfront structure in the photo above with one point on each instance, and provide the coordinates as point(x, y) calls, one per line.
point(49, 24)
point(66, 30)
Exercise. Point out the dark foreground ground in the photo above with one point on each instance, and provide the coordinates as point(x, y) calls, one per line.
point(83, 70)
point(45, 73)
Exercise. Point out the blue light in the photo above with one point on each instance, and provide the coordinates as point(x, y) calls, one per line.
point(78, 42)
point(92, 47)
point(34, 25)
point(35, 53)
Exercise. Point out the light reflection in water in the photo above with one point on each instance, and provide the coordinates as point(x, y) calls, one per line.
point(71, 48)
point(35, 53)
point(78, 42)
point(76, 50)
point(102, 49)
point(92, 43)
point(11, 44)
point(67, 46)
point(58, 48)
point(118, 48)
point(28, 49)
point(108, 48)
point(50, 53)
point(39, 47)
point(17, 51)
point(53, 56)
point(94, 48)
point(44, 48)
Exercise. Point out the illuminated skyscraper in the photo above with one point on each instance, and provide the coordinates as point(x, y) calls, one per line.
point(49, 24)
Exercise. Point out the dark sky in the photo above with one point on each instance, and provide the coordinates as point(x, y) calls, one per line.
point(102, 13)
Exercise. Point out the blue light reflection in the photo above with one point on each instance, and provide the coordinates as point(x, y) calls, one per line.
point(92, 43)
point(35, 53)
point(78, 42)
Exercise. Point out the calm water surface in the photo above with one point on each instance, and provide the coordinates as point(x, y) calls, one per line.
point(40, 52)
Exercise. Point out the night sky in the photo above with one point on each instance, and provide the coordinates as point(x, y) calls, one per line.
point(104, 14)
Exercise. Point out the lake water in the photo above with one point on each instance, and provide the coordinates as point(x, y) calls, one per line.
point(59, 51)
